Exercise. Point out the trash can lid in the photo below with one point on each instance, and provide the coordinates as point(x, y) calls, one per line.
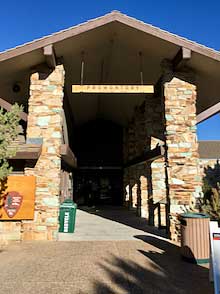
point(194, 215)
point(68, 203)
point(68, 200)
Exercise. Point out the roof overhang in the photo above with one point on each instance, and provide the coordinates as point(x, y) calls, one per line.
point(114, 16)
point(111, 44)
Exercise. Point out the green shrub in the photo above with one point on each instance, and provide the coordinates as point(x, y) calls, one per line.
point(9, 130)
point(210, 203)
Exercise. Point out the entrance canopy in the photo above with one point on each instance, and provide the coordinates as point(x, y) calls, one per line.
point(114, 49)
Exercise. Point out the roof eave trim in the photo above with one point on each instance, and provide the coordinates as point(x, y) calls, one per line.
point(103, 20)
point(56, 37)
point(169, 37)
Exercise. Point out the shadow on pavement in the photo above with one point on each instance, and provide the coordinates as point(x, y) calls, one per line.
point(124, 216)
point(154, 271)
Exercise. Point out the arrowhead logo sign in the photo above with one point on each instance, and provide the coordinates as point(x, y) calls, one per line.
point(13, 203)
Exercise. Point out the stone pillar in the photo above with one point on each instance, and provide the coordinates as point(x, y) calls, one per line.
point(155, 169)
point(182, 148)
point(157, 183)
point(45, 121)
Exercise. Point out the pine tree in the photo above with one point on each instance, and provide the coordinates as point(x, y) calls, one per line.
point(210, 203)
point(9, 130)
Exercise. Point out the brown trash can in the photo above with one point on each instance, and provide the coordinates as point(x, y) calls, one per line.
point(195, 244)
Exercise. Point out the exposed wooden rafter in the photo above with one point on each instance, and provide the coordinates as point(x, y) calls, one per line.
point(27, 151)
point(208, 113)
point(181, 58)
point(7, 106)
point(65, 129)
point(150, 155)
point(68, 156)
point(50, 56)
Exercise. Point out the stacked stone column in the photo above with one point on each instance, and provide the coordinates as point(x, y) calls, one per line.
point(174, 179)
point(155, 169)
point(45, 122)
point(146, 180)
point(182, 148)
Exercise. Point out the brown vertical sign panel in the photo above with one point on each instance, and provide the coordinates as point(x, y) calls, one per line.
point(19, 198)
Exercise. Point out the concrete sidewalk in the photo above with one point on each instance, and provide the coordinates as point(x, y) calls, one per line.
point(108, 223)
point(120, 254)
point(148, 265)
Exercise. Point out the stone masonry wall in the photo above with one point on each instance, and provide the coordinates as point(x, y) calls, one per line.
point(45, 121)
point(171, 121)
point(182, 153)
point(144, 184)
point(10, 231)
point(155, 169)
point(134, 144)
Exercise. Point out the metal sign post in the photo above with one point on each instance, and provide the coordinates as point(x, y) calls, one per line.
point(215, 256)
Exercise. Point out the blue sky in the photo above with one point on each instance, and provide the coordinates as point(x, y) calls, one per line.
point(25, 20)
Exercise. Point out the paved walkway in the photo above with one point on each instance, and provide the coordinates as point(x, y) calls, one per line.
point(145, 266)
point(107, 223)
point(137, 263)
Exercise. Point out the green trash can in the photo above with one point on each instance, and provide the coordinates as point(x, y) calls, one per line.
point(67, 216)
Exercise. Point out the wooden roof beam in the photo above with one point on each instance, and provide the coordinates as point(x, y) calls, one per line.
point(181, 58)
point(68, 156)
point(150, 155)
point(27, 151)
point(208, 113)
point(7, 106)
point(65, 129)
point(50, 56)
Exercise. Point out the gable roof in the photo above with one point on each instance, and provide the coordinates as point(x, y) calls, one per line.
point(114, 16)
